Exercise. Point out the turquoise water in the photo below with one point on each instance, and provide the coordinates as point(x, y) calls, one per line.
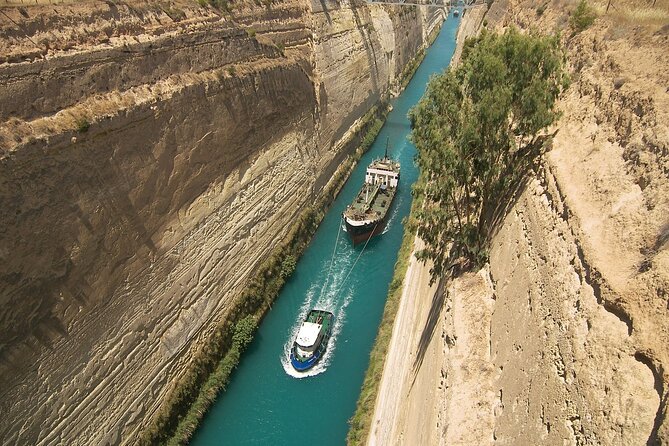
point(268, 403)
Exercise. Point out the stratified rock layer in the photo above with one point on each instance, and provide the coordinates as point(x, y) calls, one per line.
point(150, 156)
point(573, 346)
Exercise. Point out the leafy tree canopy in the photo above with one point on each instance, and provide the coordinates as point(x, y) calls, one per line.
point(479, 130)
point(243, 334)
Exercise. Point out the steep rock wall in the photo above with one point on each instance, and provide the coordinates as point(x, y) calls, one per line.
point(150, 156)
point(574, 311)
point(567, 368)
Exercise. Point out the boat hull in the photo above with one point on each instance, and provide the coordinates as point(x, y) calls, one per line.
point(360, 234)
point(367, 214)
point(301, 366)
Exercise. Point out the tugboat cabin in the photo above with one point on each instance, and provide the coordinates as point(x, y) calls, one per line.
point(308, 339)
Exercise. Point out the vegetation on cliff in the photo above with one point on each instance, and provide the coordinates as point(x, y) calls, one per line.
point(479, 130)
point(582, 17)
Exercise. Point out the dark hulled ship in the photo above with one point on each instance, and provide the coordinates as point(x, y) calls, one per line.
point(366, 216)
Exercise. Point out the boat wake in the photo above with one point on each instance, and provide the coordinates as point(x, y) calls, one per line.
point(392, 218)
point(334, 300)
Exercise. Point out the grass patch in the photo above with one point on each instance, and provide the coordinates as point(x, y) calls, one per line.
point(582, 17)
point(212, 365)
point(634, 13)
point(83, 124)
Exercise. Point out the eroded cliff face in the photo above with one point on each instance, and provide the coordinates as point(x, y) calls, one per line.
point(150, 156)
point(574, 305)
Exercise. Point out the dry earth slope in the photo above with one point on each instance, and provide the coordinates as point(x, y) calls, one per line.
point(562, 339)
point(582, 259)
point(151, 153)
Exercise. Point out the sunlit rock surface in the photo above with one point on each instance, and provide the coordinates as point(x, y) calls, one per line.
point(150, 156)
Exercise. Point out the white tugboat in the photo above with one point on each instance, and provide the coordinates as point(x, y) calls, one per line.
point(312, 340)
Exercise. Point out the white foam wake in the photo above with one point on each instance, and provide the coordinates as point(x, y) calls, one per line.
point(393, 217)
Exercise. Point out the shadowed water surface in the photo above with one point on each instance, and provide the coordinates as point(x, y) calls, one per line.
point(268, 403)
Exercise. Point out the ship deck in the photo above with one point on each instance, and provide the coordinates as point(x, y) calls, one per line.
point(385, 164)
point(376, 205)
point(326, 318)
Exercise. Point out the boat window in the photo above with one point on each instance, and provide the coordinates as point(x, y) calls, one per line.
point(310, 348)
point(305, 352)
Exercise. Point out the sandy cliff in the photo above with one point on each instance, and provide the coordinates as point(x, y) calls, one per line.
point(586, 245)
point(150, 155)
point(562, 339)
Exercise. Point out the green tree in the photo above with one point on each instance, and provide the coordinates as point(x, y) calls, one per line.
point(479, 130)
point(243, 334)
point(288, 266)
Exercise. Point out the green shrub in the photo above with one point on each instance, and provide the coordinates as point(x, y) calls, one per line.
point(583, 17)
point(288, 266)
point(251, 32)
point(243, 335)
point(371, 134)
point(83, 125)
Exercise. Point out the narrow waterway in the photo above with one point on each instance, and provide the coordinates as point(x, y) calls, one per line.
point(268, 403)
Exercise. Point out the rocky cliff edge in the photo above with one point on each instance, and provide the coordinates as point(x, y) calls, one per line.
point(150, 155)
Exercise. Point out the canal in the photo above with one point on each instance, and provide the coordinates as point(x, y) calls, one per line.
point(266, 402)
